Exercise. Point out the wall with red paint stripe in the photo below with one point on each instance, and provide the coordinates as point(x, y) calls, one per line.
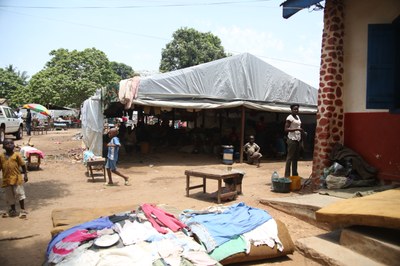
point(375, 136)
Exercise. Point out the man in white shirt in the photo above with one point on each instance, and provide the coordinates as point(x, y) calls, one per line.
point(18, 113)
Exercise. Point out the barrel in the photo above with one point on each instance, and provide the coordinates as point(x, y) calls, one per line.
point(227, 156)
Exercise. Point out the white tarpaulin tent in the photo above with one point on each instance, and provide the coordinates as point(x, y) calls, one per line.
point(92, 124)
point(240, 80)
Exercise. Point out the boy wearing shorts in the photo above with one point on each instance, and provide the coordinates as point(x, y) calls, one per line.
point(10, 164)
point(112, 157)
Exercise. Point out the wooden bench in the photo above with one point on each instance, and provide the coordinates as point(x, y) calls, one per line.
point(60, 125)
point(98, 163)
point(39, 130)
point(233, 176)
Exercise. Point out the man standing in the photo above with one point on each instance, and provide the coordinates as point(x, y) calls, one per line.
point(18, 113)
point(28, 122)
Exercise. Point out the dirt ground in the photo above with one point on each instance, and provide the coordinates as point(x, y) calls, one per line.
point(157, 177)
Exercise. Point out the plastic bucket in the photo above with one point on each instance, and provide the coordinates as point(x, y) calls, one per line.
point(227, 156)
point(296, 183)
point(281, 185)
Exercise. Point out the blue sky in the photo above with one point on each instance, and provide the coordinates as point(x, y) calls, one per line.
point(134, 32)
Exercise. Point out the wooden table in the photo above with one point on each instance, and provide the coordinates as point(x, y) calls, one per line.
point(98, 162)
point(33, 161)
point(215, 174)
point(60, 125)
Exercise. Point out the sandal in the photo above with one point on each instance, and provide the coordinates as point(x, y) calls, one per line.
point(23, 214)
point(10, 213)
point(127, 183)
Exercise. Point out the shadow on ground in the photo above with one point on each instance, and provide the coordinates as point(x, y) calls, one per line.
point(37, 199)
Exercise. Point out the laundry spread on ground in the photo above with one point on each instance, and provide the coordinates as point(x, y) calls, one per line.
point(151, 235)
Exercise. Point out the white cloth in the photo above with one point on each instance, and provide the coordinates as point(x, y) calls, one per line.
point(134, 232)
point(92, 124)
point(24, 149)
point(169, 250)
point(129, 255)
point(294, 124)
point(265, 234)
point(83, 257)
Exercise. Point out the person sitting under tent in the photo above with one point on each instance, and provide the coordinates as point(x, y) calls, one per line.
point(253, 152)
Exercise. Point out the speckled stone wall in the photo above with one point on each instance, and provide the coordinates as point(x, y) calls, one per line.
point(330, 113)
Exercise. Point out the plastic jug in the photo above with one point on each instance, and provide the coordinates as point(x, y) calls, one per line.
point(274, 175)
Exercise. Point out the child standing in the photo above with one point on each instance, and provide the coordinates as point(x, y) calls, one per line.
point(112, 157)
point(10, 163)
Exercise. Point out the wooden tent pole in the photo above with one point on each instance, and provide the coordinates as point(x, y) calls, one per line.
point(220, 121)
point(173, 118)
point(203, 111)
point(194, 115)
point(242, 133)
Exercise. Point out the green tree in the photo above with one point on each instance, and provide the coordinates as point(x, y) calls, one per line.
point(69, 78)
point(190, 47)
point(23, 75)
point(122, 70)
point(11, 82)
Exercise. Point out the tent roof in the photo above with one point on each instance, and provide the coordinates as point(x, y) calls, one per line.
point(240, 80)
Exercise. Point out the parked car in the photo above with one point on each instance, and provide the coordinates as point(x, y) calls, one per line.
point(10, 123)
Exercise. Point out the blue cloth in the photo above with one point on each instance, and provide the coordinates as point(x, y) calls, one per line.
point(214, 229)
point(97, 224)
point(111, 164)
point(87, 155)
point(113, 151)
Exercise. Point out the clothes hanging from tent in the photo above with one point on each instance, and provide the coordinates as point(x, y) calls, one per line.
point(128, 90)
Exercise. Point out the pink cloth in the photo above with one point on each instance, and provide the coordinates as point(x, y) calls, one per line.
point(26, 151)
point(41, 154)
point(160, 219)
point(128, 90)
point(69, 244)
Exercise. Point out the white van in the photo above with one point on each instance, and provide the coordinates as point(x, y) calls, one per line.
point(10, 123)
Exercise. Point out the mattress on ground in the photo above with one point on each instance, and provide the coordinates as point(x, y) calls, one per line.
point(66, 218)
point(380, 210)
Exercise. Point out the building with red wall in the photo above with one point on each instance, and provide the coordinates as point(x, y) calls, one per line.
point(359, 90)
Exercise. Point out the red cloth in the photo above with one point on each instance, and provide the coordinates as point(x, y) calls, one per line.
point(26, 151)
point(160, 219)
